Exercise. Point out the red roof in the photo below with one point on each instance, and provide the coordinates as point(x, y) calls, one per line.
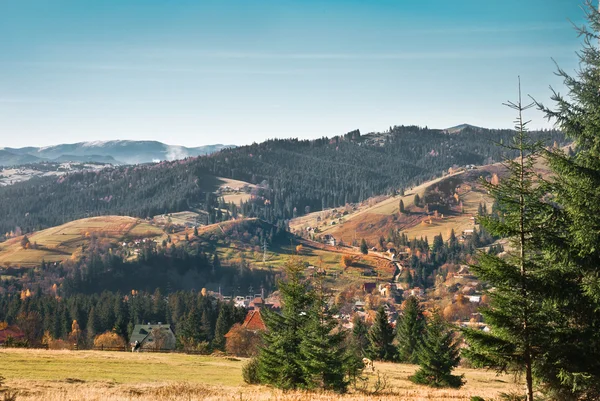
point(254, 321)
point(11, 331)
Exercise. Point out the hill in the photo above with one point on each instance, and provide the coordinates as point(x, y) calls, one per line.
point(114, 152)
point(447, 203)
point(459, 128)
point(293, 177)
point(66, 241)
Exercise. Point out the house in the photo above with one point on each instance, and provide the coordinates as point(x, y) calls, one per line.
point(475, 298)
point(329, 239)
point(11, 333)
point(154, 336)
point(253, 322)
point(368, 288)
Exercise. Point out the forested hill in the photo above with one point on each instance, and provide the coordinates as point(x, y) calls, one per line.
point(298, 176)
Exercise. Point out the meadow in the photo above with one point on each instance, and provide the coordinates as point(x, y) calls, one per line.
point(96, 375)
point(63, 242)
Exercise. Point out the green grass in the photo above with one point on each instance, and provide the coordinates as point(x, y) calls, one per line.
point(118, 367)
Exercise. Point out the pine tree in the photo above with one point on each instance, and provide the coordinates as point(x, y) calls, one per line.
point(518, 314)
point(190, 330)
point(409, 331)
point(381, 335)
point(280, 357)
point(224, 323)
point(322, 354)
point(401, 206)
point(364, 248)
point(572, 367)
point(438, 355)
point(92, 326)
point(360, 333)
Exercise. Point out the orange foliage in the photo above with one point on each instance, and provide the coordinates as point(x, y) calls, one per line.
point(109, 339)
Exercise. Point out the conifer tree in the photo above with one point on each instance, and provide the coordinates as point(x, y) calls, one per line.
point(401, 206)
point(438, 355)
point(360, 332)
point(518, 313)
point(364, 248)
point(409, 331)
point(92, 326)
point(381, 335)
point(280, 357)
point(572, 366)
point(224, 323)
point(417, 200)
point(322, 354)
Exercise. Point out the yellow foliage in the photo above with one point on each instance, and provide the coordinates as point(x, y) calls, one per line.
point(109, 339)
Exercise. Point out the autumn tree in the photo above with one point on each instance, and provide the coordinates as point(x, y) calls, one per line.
point(242, 342)
point(109, 339)
point(347, 261)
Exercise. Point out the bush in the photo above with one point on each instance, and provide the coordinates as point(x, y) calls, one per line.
point(477, 398)
point(250, 372)
point(109, 339)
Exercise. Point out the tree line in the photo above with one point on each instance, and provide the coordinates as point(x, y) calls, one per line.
point(198, 320)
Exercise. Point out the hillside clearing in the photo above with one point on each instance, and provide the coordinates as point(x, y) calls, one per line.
point(62, 242)
point(94, 375)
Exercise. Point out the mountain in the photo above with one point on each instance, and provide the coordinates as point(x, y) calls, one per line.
point(459, 128)
point(13, 159)
point(292, 177)
point(114, 152)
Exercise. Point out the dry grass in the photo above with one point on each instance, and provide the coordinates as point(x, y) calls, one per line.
point(89, 375)
point(61, 242)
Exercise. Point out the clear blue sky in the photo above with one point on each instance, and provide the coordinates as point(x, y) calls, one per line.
point(201, 72)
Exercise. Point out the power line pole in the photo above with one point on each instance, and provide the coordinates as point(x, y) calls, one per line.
point(265, 251)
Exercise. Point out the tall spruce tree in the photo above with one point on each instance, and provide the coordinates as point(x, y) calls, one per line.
point(280, 358)
point(518, 312)
point(224, 323)
point(572, 366)
point(322, 353)
point(438, 355)
point(409, 331)
point(381, 335)
point(360, 339)
point(364, 248)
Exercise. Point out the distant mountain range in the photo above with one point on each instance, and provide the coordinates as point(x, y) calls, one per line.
point(113, 152)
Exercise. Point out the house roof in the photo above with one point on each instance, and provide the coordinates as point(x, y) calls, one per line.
point(11, 331)
point(254, 321)
point(141, 331)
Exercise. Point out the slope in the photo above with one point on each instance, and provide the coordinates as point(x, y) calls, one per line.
point(65, 241)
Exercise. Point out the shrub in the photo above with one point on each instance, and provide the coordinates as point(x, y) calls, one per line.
point(250, 372)
point(477, 398)
point(109, 340)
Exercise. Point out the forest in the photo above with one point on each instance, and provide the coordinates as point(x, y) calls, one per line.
point(297, 176)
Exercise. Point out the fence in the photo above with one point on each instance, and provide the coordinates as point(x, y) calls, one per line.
point(75, 347)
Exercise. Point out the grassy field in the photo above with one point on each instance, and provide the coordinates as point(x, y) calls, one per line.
point(62, 242)
point(95, 375)
point(232, 196)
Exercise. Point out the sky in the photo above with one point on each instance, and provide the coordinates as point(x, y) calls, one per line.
point(202, 72)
